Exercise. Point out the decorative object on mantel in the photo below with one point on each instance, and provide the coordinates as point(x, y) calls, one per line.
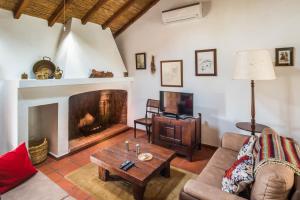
point(38, 150)
point(44, 69)
point(253, 65)
point(171, 73)
point(153, 68)
point(58, 73)
point(140, 60)
point(284, 56)
point(101, 74)
point(24, 76)
point(206, 62)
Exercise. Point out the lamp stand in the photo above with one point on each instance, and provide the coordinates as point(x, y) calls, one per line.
point(252, 108)
point(252, 126)
point(253, 65)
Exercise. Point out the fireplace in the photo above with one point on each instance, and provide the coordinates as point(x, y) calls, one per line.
point(92, 114)
point(26, 102)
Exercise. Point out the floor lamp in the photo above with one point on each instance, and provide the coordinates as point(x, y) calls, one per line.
point(253, 65)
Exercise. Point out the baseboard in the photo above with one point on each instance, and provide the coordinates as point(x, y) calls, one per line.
point(138, 129)
point(209, 146)
point(57, 157)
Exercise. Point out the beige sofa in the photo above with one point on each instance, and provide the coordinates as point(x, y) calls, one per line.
point(38, 187)
point(272, 182)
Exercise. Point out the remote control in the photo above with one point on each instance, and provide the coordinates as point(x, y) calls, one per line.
point(127, 167)
point(124, 164)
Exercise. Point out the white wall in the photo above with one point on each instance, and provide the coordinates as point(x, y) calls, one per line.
point(26, 40)
point(23, 42)
point(86, 47)
point(229, 26)
point(2, 141)
point(77, 50)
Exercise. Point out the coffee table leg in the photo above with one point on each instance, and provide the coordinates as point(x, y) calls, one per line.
point(166, 171)
point(103, 174)
point(138, 192)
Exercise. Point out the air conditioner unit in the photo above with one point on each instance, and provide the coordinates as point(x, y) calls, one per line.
point(192, 11)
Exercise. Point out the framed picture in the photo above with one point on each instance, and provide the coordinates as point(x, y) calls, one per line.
point(171, 73)
point(140, 60)
point(206, 62)
point(284, 56)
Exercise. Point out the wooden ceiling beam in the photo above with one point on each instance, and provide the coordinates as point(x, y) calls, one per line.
point(21, 6)
point(131, 21)
point(94, 9)
point(59, 11)
point(117, 13)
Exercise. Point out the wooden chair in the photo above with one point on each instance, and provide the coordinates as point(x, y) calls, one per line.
point(152, 107)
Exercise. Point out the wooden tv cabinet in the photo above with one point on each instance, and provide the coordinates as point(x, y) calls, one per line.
point(181, 135)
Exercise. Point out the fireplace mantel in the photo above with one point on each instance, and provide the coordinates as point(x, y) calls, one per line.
point(63, 82)
point(19, 96)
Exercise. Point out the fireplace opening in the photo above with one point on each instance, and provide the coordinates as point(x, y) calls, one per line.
point(96, 115)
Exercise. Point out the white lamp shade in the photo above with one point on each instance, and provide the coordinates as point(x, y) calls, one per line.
point(254, 65)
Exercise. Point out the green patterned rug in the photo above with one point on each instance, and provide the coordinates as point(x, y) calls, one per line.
point(159, 188)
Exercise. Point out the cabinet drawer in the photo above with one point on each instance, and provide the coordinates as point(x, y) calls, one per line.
point(170, 133)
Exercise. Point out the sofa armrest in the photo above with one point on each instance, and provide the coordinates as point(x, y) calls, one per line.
point(233, 141)
point(201, 190)
point(296, 190)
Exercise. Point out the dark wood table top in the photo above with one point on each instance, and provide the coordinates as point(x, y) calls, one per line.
point(112, 157)
point(246, 126)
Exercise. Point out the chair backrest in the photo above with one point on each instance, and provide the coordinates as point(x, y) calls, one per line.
point(152, 107)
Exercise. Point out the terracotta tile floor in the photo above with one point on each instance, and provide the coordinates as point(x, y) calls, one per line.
point(57, 169)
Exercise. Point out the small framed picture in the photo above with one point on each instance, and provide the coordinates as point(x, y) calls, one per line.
point(171, 73)
point(206, 62)
point(284, 56)
point(140, 60)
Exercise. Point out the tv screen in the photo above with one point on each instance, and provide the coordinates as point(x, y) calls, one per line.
point(176, 103)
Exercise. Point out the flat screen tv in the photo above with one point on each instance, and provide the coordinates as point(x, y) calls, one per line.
point(176, 103)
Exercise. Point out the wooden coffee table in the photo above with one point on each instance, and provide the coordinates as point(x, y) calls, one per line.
point(110, 159)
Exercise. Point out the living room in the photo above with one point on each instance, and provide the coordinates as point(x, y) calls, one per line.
point(188, 92)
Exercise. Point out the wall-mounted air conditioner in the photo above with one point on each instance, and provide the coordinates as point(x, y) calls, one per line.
point(192, 11)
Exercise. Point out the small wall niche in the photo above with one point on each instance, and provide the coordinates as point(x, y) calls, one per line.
point(43, 123)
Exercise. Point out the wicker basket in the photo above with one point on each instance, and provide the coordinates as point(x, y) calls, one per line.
point(38, 151)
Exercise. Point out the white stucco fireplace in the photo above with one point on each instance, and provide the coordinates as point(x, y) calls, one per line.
point(41, 107)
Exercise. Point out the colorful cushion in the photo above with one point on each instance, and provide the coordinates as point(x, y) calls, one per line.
point(239, 175)
point(247, 147)
point(15, 168)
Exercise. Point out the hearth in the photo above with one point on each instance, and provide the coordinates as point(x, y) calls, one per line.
point(93, 112)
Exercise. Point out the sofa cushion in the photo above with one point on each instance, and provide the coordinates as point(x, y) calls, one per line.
point(272, 182)
point(15, 168)
point(239, 175)
point(211, 175)
point(36, 188)
point(223, 158)
point(233, 141)
point(203, 191)
point(247, 148)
